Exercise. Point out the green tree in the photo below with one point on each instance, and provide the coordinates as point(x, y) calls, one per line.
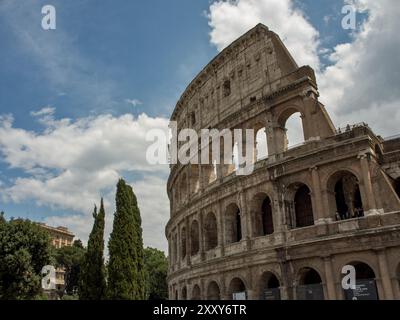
point(156, 266)
point(92, 279)
point(71, 259)
point(24, 251)
point(126, 274)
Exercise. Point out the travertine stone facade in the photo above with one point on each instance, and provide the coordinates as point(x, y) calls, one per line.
point(286, 230)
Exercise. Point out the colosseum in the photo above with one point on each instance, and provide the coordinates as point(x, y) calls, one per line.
point(286, 230)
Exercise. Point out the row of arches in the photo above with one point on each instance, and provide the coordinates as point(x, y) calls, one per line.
point(345, 202)
point(291, 133)
point(309, 286)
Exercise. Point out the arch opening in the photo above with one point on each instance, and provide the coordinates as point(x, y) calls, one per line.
point(183, 243)
point(261, 147)
point(303, 209)
point(293, 130)
point(346, 189)
point(211, 231)
point(310, 285)
point(263, 217)
point(213, 291)
point(184, 294)
point(270, 287)
point(194, 238)
point(233, 227)
point(366, 288)
point(196, 293)
point(237, 289)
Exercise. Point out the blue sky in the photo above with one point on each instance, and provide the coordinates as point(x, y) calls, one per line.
point(102, 54)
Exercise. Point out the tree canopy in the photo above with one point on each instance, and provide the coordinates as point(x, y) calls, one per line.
point(24, 251)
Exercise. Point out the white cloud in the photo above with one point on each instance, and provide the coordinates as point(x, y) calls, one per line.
point(46, 111)
point(71, 164)
point(230, 19)
point(362, 82)
point(134, 102)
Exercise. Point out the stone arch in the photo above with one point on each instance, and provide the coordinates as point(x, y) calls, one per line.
point(183, 243)
point(269, 286)
point(194, 238)
point(213, 291)
point(366, 288)
point(261, 142)
point(298, 205)
point(233, 226)
point(184, 293)
point(344, 195)
point(210, 231)
point(287, 124)
point(196, 293)
point(262, 215)
point(309, 285)
point(236, 287)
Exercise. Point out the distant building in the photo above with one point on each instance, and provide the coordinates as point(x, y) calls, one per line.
point(60, 237)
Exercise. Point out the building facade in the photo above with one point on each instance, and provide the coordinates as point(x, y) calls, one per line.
point(60, 237)
point(286, 230)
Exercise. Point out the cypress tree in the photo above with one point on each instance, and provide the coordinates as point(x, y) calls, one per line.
point(92, 275)
point(126, 273)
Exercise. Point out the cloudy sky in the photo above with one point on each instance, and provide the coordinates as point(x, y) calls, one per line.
point(76, 102)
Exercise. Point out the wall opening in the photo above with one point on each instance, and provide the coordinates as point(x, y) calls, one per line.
point(183, 243)
point(226, 88)
point(233, 227)
point(184, 293)
point(237, 289)
point(211, 231)
point(303, 207)
point(397, 187)
point(194, 238)
point(262, 215)
point(213, 291)
point(196, 293)
point(346, 189)
point(366, 288)
point(261, 144)
point(310, 285)
point(294, 131)
point(270, 287)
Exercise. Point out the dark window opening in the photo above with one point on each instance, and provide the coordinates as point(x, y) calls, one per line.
point(253, 99)
point(227, 88)
point(397, 186)
point(193, 118)
point(238, 227)
point(303, 207)
point(267, 221)
point(348, 198)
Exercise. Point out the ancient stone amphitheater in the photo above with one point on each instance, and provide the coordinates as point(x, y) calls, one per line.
point(286, 230)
